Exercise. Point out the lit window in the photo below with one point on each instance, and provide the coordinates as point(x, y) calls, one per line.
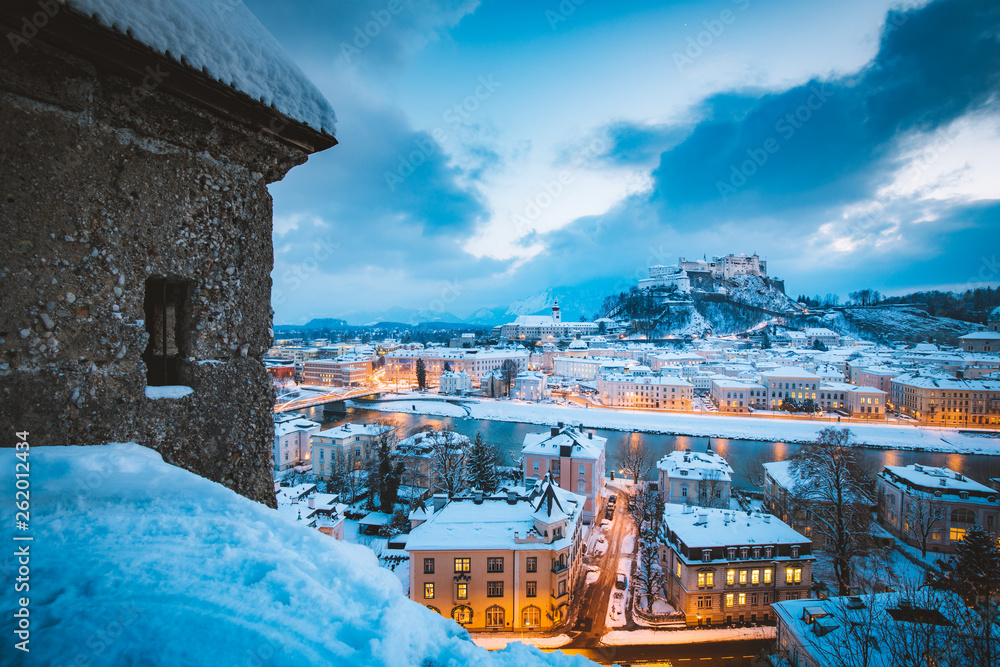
point(755, 576)
point(729, 599)
point(462, 565)
point(730, 577)
point(767, 576)
point(742, 599)
point(428, 591)
point(678, 569)
point(956, 534)
point(463, 591)
point(743, 576)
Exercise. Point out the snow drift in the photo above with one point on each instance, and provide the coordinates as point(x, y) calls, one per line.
point(137, 562)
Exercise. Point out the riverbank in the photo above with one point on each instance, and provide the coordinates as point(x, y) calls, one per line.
point(875, 436)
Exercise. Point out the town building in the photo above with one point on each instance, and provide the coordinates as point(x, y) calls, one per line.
point(782, 489)
point(507, 562)
point(322, 511)
point(401, 365)
point(947, 401)
point(347, 370)
point(737, 396)
point(695, 478)
point(725, 567)
point(918, 503)
point(531, 386)
point(348, 445)
point(789, 382)
point(546, 327)
point(821, 335)
point(628, 390)
point(574, 459)
point(589, 368)
point(852, 630)
point(981, 342)
point(291, 440)
point(137, 225)
point(454, 382)
point(866, 403)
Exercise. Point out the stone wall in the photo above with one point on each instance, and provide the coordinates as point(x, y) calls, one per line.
point(104, 183)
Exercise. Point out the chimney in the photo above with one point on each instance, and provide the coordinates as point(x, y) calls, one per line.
point(767, 518)
point(703, 518)
point(555, 430)
point(478, 497)
point(590, 435)
point(440, 500)
point(560, 424)
point(512, 497)
point(312, 503)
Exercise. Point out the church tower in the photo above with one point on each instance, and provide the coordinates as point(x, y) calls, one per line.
point(556, 315)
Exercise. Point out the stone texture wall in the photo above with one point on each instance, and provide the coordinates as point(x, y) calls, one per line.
point(105, 182)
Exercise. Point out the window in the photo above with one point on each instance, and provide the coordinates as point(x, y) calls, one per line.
point(531, 589)
point(168, 320)
point(678, 569)
point(706, 555)
point(767, 552)
point(963, 515)
point(731, 553)
point(494, 589)
point(755, 576)
point(706, 579)
point(793, 575)
point(428, 591)
point(730, 577)
point(742, 599)
point(428, 566)
point(743, 576)
point(956, 534)
point(729, 599)
point(753, 599)
point(462, 565)
point(494, 564)
point(756, 553)
point(494, 617)
point(531, 564)
point(462, 614)
point(743, 553)
point(581, 469)
point(767, 576)
point(795, 551)
point(765, 598)
point(531, 617)
point(561, 588)
point(462, 591)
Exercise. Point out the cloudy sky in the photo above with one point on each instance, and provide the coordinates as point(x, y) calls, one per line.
point(492, 149)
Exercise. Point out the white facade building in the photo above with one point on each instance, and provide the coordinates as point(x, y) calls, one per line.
point(531, 386)
point(349, 442)
point(291, 440)
point(627, 390)
point(695, 478)
point(455, 382)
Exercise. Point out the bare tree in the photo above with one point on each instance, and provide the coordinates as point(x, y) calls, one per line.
point(751, 466)
point(449, 455)
point(635, 459)
point(923, 514)
point(710, 491)
point(836, 487)
point(509, 372)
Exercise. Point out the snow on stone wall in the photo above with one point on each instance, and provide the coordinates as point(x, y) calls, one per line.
point(226, 41)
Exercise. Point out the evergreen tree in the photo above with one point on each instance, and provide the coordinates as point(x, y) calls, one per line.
point(447, 367)
point(765, 343)
point(483, 461)
point(421, 374)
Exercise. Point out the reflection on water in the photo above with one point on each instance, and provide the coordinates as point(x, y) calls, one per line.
point(510, 435)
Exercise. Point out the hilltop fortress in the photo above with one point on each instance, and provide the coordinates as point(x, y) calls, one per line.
point(702, 275)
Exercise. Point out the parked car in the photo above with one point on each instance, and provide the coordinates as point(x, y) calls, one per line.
point(621, 582)
point(612, 499)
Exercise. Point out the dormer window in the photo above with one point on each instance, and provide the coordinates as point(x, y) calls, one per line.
point(706, 555)
point(767, 552)
point(795, 551)
point(731, 553)
point(743, 553)
point(756, 553)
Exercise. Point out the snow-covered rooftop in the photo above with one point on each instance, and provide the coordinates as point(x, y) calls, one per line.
point(697, 465)
point(224, 40)
point(723, 528)
point(943, 479)
point(347, 430)
point(205, 576)
point(584, 445)
point(494, 523)
point(789, 372)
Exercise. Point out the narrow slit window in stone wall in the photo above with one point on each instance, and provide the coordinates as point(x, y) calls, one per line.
point(167, 308)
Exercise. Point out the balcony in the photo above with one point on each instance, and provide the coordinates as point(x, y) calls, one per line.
point(558, 566)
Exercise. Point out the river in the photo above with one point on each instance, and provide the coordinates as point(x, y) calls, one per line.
point(510, 435)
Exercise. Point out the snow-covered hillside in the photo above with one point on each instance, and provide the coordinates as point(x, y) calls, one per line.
point(908, 324)
point(137, 562)
point(754, 291)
